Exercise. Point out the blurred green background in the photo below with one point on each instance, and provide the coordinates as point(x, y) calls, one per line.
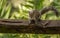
point(18, 9)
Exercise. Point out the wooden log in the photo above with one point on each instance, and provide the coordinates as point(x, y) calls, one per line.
point(23, 26)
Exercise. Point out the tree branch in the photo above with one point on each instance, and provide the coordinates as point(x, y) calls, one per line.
point(23, 26)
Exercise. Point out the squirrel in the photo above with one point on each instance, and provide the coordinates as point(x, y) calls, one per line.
point(35, 15)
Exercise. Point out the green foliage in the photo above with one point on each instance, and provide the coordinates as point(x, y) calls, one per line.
point(16, 35)
point(38, 4)
point(4, 10)
point(19, 10)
